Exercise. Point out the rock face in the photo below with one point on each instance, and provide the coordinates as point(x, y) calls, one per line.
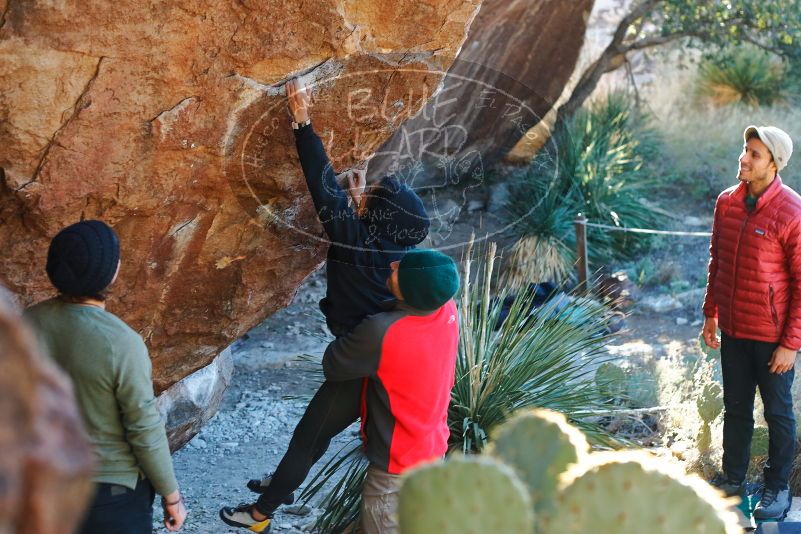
point(514, 65)
point(188, 404)
point(601, 25)
point(46, 462)
point(168, 121)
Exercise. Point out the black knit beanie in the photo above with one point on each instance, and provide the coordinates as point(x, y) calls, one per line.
point(427, 279)
point(397, 213)
point(83, 258)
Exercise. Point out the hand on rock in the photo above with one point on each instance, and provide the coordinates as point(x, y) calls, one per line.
point(297, 100)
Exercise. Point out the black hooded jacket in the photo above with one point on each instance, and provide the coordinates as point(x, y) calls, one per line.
point(362, 249)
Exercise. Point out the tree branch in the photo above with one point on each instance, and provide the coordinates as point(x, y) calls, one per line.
point(639, 11)
point(611, 58)
point(655, 40)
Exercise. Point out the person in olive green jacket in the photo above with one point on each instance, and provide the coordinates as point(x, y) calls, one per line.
point(110, 369)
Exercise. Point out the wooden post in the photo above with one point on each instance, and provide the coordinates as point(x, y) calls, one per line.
point(582, 264)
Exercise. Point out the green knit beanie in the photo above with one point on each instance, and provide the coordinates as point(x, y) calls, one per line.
point(427, 278)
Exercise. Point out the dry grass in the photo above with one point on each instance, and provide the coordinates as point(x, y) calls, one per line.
point(702, 142)
point(704, 145)
point(535, 258)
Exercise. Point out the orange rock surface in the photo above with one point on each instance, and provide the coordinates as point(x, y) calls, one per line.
point(167, 120)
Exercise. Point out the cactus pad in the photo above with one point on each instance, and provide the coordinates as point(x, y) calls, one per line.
point(611, 381)
point(634, 492)
point(710, 402)
point(704, 439)
point(464, 496)
point(539, 445)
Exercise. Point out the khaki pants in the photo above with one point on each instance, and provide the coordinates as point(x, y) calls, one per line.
point(380, 502)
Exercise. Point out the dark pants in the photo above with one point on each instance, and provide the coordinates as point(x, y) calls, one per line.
point(334, 407)
point(120, 510)
point(745, 366)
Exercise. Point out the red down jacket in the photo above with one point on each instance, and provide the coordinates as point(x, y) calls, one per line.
point(754, 285)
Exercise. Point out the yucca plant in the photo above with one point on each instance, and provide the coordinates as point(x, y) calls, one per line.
point(546, 252)
point(743, 75)
point(541, 357)
point(596, 164)
point(536, 257)
point(604, 157)
point(345, 474)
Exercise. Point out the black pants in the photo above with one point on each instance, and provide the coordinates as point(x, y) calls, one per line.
point(119, 510)
point(745, 366)
point(334, 407)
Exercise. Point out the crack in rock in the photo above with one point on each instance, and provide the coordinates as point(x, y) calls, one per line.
point(75, 110)
point(4, 14)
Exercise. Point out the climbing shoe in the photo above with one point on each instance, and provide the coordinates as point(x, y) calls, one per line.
point(259, 485)
point(728, 486)
point(774, 504)
point(240, 517)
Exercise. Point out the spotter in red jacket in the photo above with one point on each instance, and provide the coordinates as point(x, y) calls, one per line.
point(409, 359)
point(754, 286)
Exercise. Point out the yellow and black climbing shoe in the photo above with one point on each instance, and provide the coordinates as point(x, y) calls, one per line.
point(240, 517)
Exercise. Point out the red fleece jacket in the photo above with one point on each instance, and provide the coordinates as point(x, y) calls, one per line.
point(409, 359)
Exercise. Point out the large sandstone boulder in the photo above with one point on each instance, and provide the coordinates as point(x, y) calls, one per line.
point(168, 121)
point(601, 25)
point(513, 67)
point(46, 462)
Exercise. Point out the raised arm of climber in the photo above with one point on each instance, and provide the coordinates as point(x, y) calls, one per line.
point(389, 220)
point(340, 221)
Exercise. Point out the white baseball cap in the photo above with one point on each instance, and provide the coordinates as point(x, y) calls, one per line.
point(777, 141)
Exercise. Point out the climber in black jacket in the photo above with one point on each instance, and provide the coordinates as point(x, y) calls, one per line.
point(385, 220)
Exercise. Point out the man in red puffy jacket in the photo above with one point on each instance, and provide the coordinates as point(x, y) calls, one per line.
point(754, 296)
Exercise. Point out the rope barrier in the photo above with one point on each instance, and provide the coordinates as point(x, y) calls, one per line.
point(582, 262)
point(644, 230)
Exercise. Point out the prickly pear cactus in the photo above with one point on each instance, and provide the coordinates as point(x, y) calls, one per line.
point(464, 495)
point(611, 380)
point(710, 402)
point(704, 439)
point(634, 492)
point(539, 445)
point(760, 441)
